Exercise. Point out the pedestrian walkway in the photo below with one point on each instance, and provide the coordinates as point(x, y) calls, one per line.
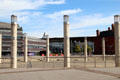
point(57, 74)
point(107, 70)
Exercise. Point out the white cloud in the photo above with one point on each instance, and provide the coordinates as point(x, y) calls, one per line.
point(7, 7)
point(64, 12)
point(24, 17)
point(91, 20)
point(26, 4)
point(55, 2)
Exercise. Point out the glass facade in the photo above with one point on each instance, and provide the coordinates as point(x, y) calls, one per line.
point(56, 47)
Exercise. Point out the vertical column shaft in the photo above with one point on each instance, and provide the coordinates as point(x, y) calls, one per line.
point(66, 42)
point(25, 49)
point(14, 43)
point(85, 49)
point(47, 48)
point(0, 48)
point(117, 39)
point(103, 48)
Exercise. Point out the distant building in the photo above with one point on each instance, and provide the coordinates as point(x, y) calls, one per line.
point(109, 41)
point(5, 30)
point(35, 45)
point(95, 42)
point(38, 45)
point(57, 45)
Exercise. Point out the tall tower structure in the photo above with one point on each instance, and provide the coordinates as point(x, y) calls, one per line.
point(47, 47)
point(103, 48)
point(14, 41)
point(25, 48)
point(117, 39)
point(85, 49)
point(66, 42)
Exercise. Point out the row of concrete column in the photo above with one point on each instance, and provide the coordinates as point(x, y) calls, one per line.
point(85, 49)
point(116, 35)
point(66, 43)
point(14, 27)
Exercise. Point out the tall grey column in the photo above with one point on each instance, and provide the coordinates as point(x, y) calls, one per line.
point(47, 47)
point(0, 48)
point(25, 48)
point(103, 48)
point(117, 39)
point(85, 49)
point(66, 42)
point(14, 41)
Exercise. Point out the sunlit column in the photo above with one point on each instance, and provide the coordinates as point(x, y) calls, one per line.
point(117, 39)
point(25, 48)
point(14, 41)
point(85, 49)
point(103, 48)
point(66, 42)
point(47, 47)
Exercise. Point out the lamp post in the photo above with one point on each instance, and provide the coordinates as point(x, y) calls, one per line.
point(14, 41)
point(103, 48)
point(47, 47)
point(66, 42)
point(25, 48)
point(85, 49)
point(117, 39)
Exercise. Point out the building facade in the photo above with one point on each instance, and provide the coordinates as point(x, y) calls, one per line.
point(95, 42)
point(57, 45)
point(38, 45)
point(5, 30)
point(35, 45)
point(109, 41)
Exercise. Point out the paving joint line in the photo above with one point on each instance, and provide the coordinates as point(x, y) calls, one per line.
point(100, 72)
point(36, 70)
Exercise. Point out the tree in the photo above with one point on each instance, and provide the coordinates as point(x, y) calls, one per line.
point(77, 49)
point(89, 50)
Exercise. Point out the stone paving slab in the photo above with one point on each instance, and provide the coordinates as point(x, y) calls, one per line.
point(66, 74)
point(20, 70)
point(109, 70)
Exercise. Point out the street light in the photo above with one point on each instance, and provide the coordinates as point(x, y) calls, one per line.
point(13, 19)
point(66, 18)
point(117, 18)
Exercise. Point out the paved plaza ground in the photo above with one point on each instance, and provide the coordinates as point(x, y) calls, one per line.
point(53, 74)
point(38, 69)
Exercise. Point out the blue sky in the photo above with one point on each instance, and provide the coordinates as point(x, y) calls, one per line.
point(39, 16)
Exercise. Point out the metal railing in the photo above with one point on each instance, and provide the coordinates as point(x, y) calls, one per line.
point(5, 62)
point(95, 61)
point(75, 61)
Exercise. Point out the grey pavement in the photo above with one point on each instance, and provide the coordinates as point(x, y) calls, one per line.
point(68, 74)
point(108, 70)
